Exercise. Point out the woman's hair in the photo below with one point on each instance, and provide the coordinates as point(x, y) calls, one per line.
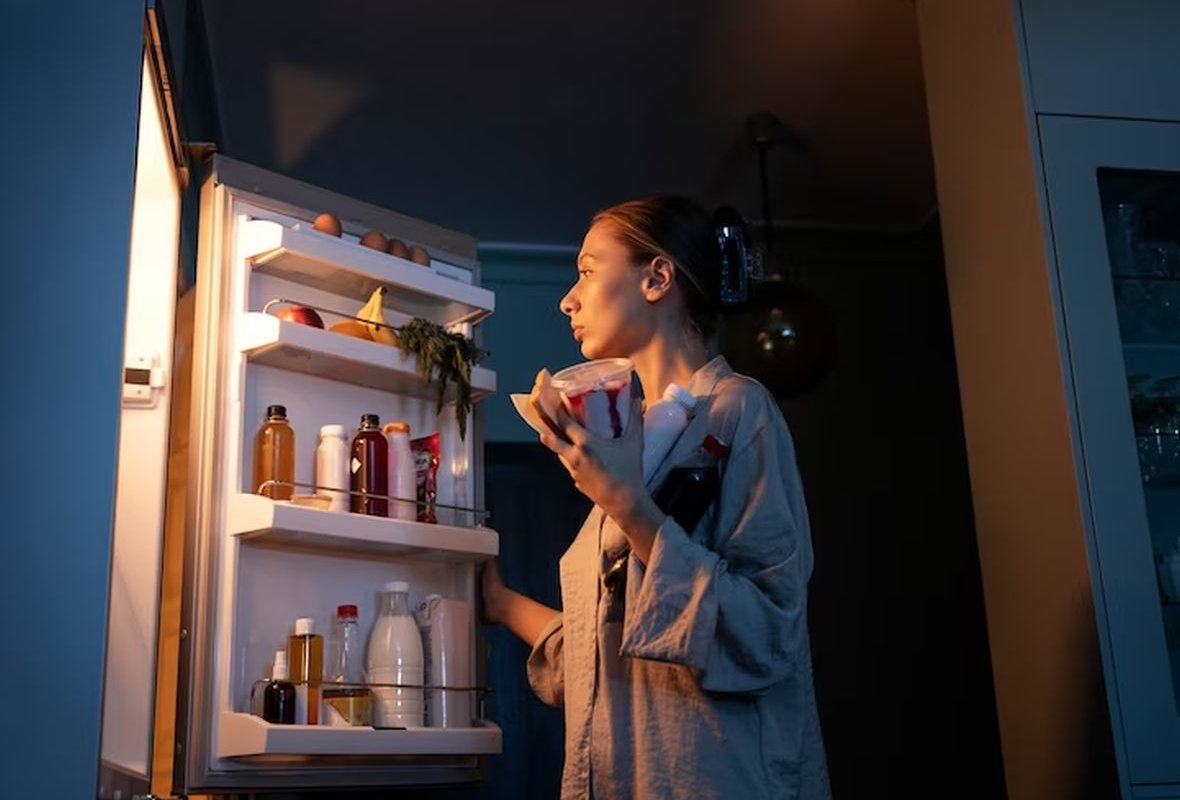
point(682, 231)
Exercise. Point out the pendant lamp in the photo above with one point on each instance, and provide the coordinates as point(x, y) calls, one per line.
point(785, 336)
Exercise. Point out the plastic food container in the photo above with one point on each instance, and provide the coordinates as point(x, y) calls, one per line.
point(598, 395)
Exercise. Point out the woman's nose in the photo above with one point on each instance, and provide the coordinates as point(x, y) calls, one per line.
point(568, 304)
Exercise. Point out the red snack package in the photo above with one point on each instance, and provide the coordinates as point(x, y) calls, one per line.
point(426, 452)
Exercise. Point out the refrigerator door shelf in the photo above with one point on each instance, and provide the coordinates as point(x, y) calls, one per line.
point(289, 346)
point(259, 518)
point(244, 735)
point(304, 255)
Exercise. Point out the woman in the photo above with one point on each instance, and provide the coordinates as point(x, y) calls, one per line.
point(681, 657)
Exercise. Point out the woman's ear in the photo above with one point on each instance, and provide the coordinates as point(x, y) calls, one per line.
point(658, 278)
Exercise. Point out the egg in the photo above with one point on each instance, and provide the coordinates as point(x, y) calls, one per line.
point(375, 240)
point(398, 248)
point(419, 255)
point(329, 224)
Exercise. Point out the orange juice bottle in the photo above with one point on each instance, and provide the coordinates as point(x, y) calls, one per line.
point(274, 455)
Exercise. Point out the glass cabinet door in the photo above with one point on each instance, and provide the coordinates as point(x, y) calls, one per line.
point(1114, 202)
point(1141, 211)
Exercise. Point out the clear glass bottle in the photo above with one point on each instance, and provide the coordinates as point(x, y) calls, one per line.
point(350, 700)
point(274, 455)
point(395, 658)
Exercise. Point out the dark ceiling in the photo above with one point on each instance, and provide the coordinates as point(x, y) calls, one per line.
point(515, 121)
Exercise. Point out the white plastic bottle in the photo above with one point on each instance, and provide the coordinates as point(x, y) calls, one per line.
point(403, 478)
point(395, 657)
point(331, 465)
point(663, 422)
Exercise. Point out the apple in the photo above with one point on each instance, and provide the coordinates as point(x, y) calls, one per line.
point(301, 315)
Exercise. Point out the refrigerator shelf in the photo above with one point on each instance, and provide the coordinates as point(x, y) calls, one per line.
point(244, 735)
point(259, 518)
point(268, 340)
point(304, 255)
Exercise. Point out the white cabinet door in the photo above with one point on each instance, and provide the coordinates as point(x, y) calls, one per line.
point(1114, 200)
point(1110, 58)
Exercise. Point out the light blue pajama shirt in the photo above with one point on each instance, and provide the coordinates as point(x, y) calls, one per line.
point(695, 681)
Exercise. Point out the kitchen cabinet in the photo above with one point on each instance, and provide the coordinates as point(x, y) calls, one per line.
point(1113, 190)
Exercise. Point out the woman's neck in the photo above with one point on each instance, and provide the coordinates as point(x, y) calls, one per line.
point(668, 357)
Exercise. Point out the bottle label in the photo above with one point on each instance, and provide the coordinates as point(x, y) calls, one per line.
point(356, 465)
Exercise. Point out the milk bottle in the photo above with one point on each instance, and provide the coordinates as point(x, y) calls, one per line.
point(395, 657)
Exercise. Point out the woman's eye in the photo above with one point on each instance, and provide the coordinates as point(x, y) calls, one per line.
point(583, 272)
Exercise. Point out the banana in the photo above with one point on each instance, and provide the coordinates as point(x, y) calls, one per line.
point(374, 316)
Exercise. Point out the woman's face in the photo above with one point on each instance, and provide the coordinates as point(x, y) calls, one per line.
point(607, 306)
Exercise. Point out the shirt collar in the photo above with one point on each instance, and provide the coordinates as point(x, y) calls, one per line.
point(705, 379)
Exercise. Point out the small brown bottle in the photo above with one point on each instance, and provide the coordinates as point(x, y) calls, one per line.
point(368, 468)
point(274, 456)
point(278, 694)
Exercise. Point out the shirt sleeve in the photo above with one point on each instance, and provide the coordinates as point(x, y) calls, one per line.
point(733, 609)
point(546, 664)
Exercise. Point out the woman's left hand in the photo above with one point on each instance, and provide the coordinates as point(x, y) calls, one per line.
point(610, 473)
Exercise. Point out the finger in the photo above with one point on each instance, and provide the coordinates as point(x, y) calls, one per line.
point(573, 430)
point(556, 444)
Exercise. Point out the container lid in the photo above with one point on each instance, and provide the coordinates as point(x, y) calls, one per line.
point(397, 427)
point(304, 626)
point(346, 611)
point(593, 374)
point(280, 672)
point(397, 586)
point(370, 421)
point(276, 412)
point(682, 396)
point(332, 430)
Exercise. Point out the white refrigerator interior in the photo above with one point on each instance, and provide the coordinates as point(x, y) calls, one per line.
point(256, 564)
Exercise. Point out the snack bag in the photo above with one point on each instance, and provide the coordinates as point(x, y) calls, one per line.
point(426, 460)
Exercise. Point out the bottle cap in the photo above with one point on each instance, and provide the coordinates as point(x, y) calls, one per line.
point(304, 626)
point(280, 672)
point(346, 611)
point(328, 431)
point(276, 412)
point(397, 586)
point(681, 396)
point(370, 421)
point(397, 427)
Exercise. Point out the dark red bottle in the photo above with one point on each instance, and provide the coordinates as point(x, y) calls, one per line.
point(369, 469)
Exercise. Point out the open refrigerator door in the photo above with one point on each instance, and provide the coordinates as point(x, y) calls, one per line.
point(240, 566)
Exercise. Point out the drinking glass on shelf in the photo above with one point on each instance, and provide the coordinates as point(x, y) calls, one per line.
point(1133, 300)
point(1122, 232)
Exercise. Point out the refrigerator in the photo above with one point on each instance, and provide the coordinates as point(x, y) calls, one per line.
point(208, 575)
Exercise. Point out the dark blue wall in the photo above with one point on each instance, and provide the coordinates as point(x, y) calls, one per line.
point(70, 99)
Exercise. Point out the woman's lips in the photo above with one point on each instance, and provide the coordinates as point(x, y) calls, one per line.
point(577, 332)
